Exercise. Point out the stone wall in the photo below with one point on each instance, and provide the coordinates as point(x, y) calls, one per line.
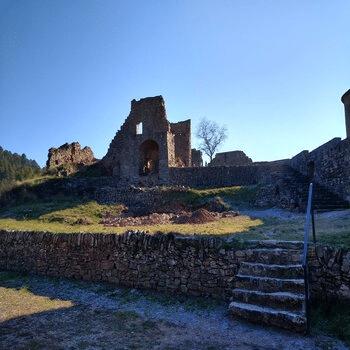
point(165, 263)
point(330, 272)
point(213, 176)
point(234, 158)
point(147, 144)
point(225, 175)
point(182, 138)
point(69, 154)
point(140, 146)
point(196, 158)
point(328, 165)
point(190, 265)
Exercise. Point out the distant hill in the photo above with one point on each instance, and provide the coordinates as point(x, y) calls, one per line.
point(17, 167)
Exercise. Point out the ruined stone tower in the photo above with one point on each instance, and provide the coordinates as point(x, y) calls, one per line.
point(147, 144)
point(71, 154)
point(346, 100)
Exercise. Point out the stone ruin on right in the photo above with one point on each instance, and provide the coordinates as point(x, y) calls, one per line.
point(149, 150)
point(328, 167)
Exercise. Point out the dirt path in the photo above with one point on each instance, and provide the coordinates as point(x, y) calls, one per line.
point(105, 317)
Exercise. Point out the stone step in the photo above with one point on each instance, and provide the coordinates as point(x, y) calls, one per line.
point(269, 284)
point(277, 256)
point(297, 185)
point(280, 300)
point(267, 270)
point(272, 243)
point(295, 321)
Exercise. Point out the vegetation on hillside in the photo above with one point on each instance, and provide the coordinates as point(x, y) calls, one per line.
point(14, 168)
point(17, 167)
point(66, 204)
point(70, 216)
point(40, 204)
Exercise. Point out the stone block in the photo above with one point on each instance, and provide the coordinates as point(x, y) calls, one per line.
point(107, 265)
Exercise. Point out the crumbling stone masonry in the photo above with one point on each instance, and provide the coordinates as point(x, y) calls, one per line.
point(327, 165)
point(147, 145)
point(69, 154)
point(233, 158)
point(196, 158)
point(149, 150)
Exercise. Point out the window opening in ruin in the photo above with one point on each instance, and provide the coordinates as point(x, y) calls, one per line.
point(149, 158)
point(139, 130)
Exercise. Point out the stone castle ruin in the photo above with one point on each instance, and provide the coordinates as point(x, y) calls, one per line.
point(69, 154)
point(147, 144)
point(149, 150)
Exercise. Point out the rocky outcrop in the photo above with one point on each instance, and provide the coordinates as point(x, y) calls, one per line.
point(71, 154)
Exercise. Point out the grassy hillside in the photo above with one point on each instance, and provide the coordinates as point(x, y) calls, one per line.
point(45, 204)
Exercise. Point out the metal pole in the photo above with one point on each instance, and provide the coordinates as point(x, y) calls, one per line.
point(307, 304)
point(305, 262)
point(307, 225)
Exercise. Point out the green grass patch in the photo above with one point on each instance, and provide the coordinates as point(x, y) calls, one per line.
point(70, 216)
point(21, 302)
point(336, 239)
point(331, 318)
point(125, 315)
point(61, 224)
point(331, 231)
point(238, 195)
point(91, 211)
point(60, 214)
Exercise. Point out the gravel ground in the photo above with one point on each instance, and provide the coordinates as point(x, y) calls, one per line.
point(284, 214)
point(273, 212)
point(180, 323)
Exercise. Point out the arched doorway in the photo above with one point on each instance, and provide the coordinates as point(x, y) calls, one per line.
point(149, 158)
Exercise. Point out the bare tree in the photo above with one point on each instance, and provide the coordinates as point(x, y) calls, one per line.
point(211, 135)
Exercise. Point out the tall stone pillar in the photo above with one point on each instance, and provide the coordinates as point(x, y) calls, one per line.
point(346, 100)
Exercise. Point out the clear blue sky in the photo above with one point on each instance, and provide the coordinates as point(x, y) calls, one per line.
point(273, 71)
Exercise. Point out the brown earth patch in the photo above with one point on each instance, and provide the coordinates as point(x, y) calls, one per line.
point(199, 216)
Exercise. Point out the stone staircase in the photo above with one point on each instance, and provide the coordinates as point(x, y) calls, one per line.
point(296, 185)
point(269, 286)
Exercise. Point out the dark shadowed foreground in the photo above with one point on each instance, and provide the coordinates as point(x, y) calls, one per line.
point(49, 313)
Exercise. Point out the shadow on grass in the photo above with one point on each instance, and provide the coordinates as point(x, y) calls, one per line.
point(91, 325)
point(83, 324)
point(32, 199)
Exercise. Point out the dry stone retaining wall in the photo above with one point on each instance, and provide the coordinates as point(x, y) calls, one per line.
point(168, 263)
point(330, 272)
